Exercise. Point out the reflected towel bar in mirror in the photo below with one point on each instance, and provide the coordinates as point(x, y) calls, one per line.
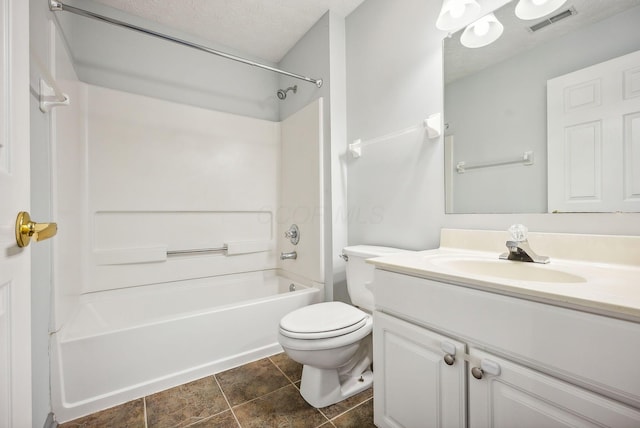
point(525, 159)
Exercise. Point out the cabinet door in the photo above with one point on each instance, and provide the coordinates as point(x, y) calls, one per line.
point(414, 386)
point(521, 397)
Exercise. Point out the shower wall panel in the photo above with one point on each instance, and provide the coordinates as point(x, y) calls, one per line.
point(302, 195)
point(164, 177)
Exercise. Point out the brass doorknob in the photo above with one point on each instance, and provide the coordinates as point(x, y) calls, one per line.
point(26, 229)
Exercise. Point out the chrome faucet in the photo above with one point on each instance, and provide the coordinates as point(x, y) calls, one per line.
point(289, 256)
point(519, 249)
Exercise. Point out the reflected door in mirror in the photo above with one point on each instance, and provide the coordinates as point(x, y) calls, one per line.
point(594, 138)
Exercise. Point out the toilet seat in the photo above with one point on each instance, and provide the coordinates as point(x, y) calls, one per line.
point(323, 321)
point(349, 339)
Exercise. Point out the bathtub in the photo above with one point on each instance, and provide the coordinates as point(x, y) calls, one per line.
point(125, 344)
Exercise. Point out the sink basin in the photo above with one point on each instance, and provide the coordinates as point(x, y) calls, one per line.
point(512, 270)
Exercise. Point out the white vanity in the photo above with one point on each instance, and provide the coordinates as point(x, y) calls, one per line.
point(464, 339)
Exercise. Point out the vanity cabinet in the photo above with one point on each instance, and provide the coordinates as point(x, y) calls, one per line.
point(544, 366)
point(522, 397)
point(419, 388)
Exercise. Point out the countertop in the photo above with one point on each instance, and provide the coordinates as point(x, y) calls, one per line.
point(608, 289)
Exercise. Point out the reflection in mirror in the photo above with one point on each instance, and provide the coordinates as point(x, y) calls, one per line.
point(495, 106)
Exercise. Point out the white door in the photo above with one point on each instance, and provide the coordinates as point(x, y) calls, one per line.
point(415, 385)
point(524, 398)
point(593, 119)
point(15, 286)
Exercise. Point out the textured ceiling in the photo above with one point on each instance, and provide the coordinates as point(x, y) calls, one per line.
point(265, 29)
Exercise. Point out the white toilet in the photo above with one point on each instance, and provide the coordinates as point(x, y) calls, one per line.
point(333, 339)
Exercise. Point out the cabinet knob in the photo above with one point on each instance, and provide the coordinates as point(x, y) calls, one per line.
point(477, 372)
point(486, 366)
point(449, 359)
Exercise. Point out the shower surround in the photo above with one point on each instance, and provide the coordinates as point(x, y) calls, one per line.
point(172, 219)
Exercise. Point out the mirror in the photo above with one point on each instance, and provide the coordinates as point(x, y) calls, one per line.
point(495, 102)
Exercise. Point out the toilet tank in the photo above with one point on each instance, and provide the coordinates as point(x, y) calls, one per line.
point(360, 273)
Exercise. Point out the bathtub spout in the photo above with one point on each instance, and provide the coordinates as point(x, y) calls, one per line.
point(289, 256)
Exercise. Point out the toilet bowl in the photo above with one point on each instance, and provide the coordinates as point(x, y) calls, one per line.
point(333, 340)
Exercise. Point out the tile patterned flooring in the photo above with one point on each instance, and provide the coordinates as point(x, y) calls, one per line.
point(263, 393)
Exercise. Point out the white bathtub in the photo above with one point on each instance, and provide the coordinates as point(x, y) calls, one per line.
point(125, 344)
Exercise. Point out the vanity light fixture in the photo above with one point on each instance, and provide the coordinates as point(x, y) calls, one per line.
point(483, 29)
point(534, 9)
point(457, 13)
point(483, 32)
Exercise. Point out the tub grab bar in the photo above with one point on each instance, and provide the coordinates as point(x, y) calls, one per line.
point(200, 250)
point(122, 256)
point(229, 249)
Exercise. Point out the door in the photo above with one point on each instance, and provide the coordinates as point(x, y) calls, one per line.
point(520, 397)
point(15, 287)
point(419, 376)
point(593, 118)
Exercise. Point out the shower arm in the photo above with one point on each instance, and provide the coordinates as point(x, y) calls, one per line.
point(56, 6)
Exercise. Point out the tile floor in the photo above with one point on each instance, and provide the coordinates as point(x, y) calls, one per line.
point(263, 393)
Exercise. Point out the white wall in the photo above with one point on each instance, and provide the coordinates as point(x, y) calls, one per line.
point(338, 221)
point(308, 57)
point(394, 79)
point(394, 75)
point(489, 120)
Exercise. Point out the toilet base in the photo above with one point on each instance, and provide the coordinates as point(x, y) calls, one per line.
point(322, 387)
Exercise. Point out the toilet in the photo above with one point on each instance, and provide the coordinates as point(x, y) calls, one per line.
point(333, 340)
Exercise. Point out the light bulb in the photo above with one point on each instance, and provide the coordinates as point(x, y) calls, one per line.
point(484, 31)
point(457, 10)
point(534, 9)
point(481, 28)
point(456, 13)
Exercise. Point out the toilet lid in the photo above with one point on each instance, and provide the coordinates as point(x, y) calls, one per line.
point(329, 319)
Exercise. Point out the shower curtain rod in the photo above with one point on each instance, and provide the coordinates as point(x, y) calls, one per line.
point(56, 6)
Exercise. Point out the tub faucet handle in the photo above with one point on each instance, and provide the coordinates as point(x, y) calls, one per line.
point(293, 234)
